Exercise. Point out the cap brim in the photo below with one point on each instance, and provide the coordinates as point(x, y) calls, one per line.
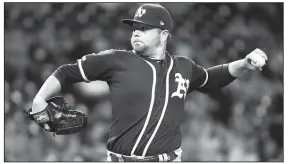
point(131, 21)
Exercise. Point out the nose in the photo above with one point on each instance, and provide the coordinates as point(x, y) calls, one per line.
point(136, 33)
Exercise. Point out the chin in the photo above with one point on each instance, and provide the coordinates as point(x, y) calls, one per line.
point(138, 48)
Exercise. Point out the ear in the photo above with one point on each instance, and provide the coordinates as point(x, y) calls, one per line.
point(164, 35)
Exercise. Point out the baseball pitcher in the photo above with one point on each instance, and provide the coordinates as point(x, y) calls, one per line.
point(148, 88)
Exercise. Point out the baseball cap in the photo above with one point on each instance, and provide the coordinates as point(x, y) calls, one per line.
point(153, 15)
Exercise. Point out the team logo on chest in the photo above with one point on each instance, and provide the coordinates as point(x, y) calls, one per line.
point(182, 87)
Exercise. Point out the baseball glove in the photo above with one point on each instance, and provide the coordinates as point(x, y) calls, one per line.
point(60, 117)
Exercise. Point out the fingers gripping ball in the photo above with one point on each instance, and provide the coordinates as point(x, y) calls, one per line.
point(258, 63)
point(257, 59)
point(59, 117)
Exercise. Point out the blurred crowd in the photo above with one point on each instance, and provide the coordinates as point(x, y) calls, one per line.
point(241, 122)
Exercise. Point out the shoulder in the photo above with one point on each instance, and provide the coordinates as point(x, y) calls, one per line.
point(107, 54)
point(123, 53)
point(116, 52)
point(184, 60)
point(110, 52)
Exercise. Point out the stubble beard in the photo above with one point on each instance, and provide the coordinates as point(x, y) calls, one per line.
point(148, 50)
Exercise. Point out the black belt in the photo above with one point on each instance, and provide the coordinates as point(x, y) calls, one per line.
point(122, 158)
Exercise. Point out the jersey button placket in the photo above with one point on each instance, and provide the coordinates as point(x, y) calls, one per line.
point(158, 83)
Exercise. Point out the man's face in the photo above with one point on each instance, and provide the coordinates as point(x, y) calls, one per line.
point(145, 38)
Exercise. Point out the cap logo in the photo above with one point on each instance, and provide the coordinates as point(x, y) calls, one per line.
point(161, 23)
point(140, 12)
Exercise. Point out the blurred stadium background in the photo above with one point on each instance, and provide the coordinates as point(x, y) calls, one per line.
point(242, 122)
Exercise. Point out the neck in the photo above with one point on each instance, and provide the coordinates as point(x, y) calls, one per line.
point(158, 53)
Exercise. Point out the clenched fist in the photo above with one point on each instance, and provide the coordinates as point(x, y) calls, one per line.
point(255, 60)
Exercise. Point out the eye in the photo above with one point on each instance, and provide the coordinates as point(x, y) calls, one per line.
point(143, 28)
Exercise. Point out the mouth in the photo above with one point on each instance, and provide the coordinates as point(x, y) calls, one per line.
point(137, 41)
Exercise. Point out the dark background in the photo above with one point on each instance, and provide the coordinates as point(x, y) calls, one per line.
point(242, 122)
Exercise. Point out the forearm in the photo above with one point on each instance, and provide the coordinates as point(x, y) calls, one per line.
point(222, 75)
point(50, 87)
point(237, 68)
point(66, 74)
point(218, 77)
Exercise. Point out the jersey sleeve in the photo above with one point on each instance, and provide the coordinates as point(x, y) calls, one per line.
point(199, 77)
point(98, 66)
point(219, 76)
point(68, 74)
